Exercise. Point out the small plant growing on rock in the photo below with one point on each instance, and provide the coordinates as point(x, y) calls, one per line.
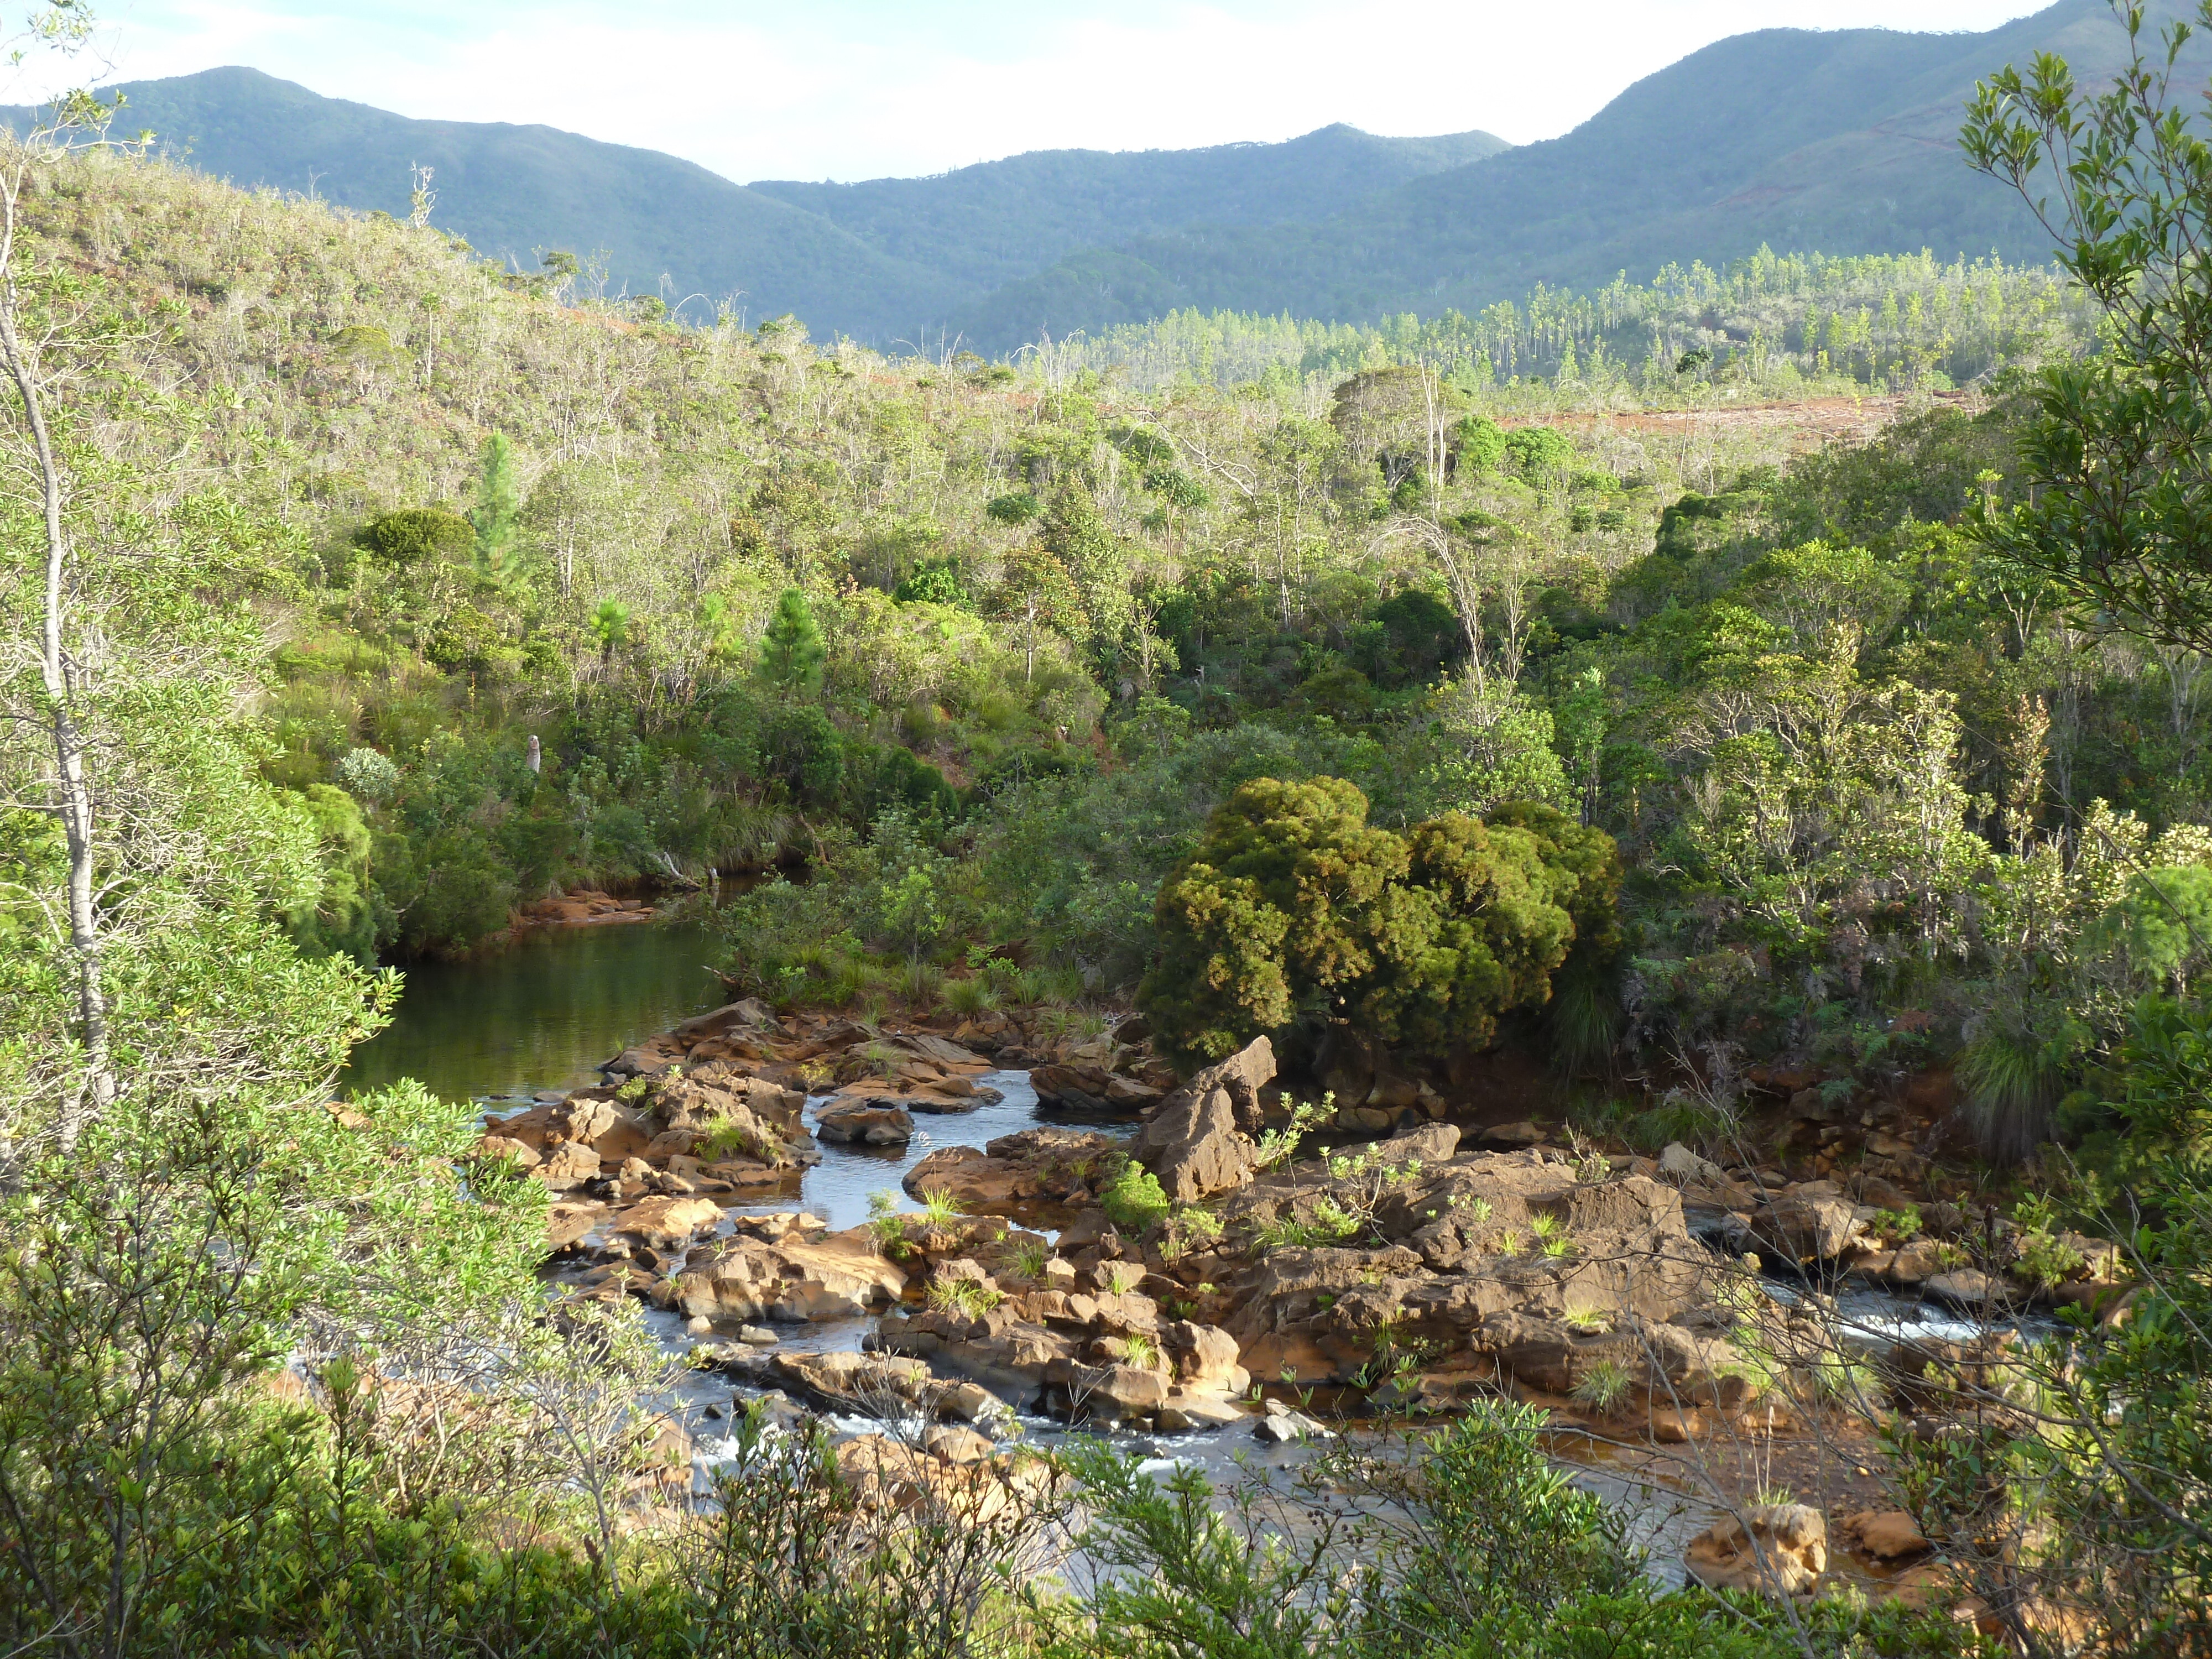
point(731, 1139)
point(1551, 1236)
point(941, 1209)
point(887, 1224)
point(2045, 1260)
point(2039, 1255)
point(1277, 1146)
point(1119, 1279)
point(1141, 1351)
point(1603, 1387)
point(1587, 1320)
point(1194, 1223)
point(1029, 1258)
point(633, 1091)
point(963, 1297)
point(1897, 1228)
point(1134, 1200)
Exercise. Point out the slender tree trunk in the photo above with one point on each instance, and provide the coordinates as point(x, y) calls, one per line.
point(71, 770)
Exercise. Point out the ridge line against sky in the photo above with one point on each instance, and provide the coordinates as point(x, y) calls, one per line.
point(853, 89)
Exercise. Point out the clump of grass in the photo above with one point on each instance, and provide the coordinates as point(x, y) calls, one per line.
point(920, 981)
point(964, 1297)
point(970, 996)
point(886, 1060)
point(2013, 1078)
point(1603, 1387)
point(1031, 1257)
point(1770, 1497)
point(1843, 1379)
point(731, 1139)
point(1682, 1116)
point(1327, 1224)
point(1141, 1351)
point(1590, 1320)
point(1119, 1279)
point(941, 1209)
point(1551, 1236)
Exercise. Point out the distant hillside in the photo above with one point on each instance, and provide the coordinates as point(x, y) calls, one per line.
point(1844, 141)
point(998, 221)
point(881, 260)
point(513, 190)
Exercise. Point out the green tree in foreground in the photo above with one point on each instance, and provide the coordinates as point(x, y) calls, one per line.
point(1293, 906)
point(792, 653)
point(2119, 452)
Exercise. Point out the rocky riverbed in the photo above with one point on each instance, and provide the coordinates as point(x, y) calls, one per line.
point(1635, 1300)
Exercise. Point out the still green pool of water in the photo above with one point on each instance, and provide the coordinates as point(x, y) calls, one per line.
point(541, 1013)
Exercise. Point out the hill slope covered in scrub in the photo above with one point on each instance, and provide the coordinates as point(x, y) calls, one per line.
point(879, 260)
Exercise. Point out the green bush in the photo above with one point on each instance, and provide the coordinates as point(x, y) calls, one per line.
point(1294, 907)
point(1134, 1200)
point(418, 536)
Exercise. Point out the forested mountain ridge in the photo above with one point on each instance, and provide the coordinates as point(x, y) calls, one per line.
point(997, 221)
point(881, 260)
point(1843, 141)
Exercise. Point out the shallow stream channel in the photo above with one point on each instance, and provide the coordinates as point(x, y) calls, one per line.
point(539, 1017)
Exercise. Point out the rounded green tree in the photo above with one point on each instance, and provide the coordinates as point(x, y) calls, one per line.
point(1294, 908)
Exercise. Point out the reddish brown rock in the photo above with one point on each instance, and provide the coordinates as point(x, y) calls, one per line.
point(1199, 1143)
point(1779, 1548)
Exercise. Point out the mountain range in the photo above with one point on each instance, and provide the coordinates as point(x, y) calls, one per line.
point(1841, 140)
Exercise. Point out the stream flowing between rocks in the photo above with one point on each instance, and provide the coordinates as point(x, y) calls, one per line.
point(538, 1018)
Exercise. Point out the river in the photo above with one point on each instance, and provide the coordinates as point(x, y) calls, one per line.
point(544, 1012)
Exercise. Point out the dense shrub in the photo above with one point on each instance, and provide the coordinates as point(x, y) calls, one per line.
point(1293, 907)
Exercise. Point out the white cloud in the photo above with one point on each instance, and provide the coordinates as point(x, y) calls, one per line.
point(858, 89)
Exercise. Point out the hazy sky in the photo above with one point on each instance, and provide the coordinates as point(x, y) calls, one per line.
point(861, 89)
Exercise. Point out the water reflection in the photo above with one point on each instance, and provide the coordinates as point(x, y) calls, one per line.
point(542, 1013)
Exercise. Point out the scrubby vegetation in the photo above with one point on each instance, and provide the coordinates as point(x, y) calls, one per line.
point(361, 592)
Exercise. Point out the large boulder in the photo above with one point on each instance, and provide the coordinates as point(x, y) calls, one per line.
point(750, 1014)
point(1806, 1225)
point(714, 1096)
point(1201, 1142)
point(865, 1123)
point(1776, 1548)
point(664, 1222)
point(1031, 1171)
point(1494, 1264)
point(793, 1280)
